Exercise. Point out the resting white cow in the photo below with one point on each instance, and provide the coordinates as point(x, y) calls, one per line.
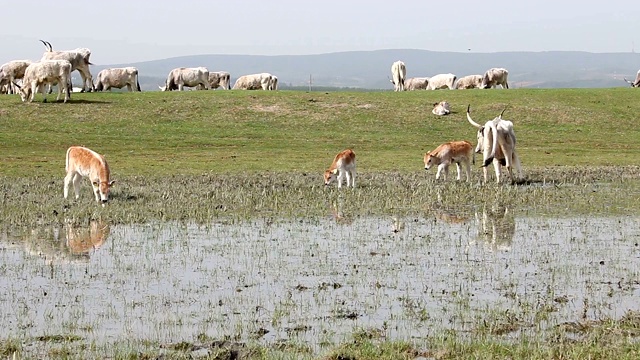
point(635, 83)
point(253, 82)
point(118, 78)
point(494, 77)
point(220, 79)
point(416, 83)
point(12, 71)
point(178, 78)
point(47, 72)
point(469, 82)
point(399, 74)
point(79, 59)
point(441, 81)
point(496, 139)
point(441, 108)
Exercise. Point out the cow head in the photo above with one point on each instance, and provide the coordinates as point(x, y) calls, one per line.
point(330, 175)
point(101, 190)
point(430, 160)
point(25, 91)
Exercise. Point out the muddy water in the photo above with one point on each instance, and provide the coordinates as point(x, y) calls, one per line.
point(315, 281)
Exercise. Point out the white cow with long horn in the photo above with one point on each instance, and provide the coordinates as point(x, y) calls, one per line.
point(497, 140)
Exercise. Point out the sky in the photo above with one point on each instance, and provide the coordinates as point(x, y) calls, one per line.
point(122, 32)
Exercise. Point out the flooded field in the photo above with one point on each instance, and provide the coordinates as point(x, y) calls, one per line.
point(313, 282)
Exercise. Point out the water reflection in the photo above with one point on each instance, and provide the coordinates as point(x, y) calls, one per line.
point(67, 244)
point(497, 227)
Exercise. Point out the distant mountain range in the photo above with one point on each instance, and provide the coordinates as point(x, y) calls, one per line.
point(371, 69)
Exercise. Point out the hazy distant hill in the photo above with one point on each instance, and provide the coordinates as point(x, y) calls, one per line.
point(371, 69)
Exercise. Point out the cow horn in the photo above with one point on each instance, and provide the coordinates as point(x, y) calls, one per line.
point(625, 79)
point(505, 109)
point(16, 85)
point(470, 120)
point(47, 45)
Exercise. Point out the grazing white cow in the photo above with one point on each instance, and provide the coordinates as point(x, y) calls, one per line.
point(458, 152)
point(469, 82)
point(47, 72)
point(398, 75)
point(118, 78)
point(253, 82)
point(79, 59)
point(220, 79)
point(178, 78)
point(11, 72)
point(441, 81)
point(273, 84)
point(636, 82)
point(343, 165)
point(83, 162)
point(441, 108)
point(497, 139)
point(494, 77)
point(416, 83)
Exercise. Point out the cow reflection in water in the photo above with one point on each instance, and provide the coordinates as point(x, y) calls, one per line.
point(497, 228)
point(71, 244)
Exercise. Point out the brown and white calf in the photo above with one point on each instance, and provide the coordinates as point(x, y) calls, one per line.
point(441, 108)
point(343, 166)
point(458, 152)
point(83, 162)
point(497, 140)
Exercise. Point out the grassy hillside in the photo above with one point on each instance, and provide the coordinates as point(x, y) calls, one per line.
point(233, 132)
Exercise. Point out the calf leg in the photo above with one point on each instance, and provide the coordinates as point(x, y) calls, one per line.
point(67, 181)
point(76, 184)
point(459, 169)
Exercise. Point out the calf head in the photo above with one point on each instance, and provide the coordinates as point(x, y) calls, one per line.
point(101, 190)
point(330, 175)
point(430, 160)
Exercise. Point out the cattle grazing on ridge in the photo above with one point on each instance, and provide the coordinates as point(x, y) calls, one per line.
point(494, 77)
point(497, 140)
point(416, 83)
point(220, 79)
point(118, 78)
point(253, 82)
point(441, 108)
point(398, 75)
point(469, 82)
point(636, 82)
point(343, 166)
point(49, 72)
point(83, 162)
point(12, 71)
point(178, 78)
point(458, 152)
point(79, 59)
point(441, 81)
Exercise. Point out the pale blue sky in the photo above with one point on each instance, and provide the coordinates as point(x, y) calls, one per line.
point(120, 31)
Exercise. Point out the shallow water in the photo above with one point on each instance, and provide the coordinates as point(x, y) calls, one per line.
point(315, 281)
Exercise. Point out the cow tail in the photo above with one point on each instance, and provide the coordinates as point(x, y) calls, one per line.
point(138, 84)
point(494, 133)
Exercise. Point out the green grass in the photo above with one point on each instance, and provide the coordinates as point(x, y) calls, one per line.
point(238, 132)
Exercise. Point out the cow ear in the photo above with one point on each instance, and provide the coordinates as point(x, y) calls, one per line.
point(334, 171)
point(112, 182)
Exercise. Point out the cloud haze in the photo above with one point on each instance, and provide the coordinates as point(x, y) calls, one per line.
point(131, 31)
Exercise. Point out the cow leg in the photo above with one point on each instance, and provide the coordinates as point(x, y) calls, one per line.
point(180, 87)
point(458, 167)
point(42, 89)
point(67, 181)
point(129, 88)
point(496, 166)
